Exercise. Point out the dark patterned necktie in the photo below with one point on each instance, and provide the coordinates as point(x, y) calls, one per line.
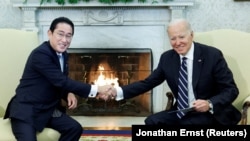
point(182, 100)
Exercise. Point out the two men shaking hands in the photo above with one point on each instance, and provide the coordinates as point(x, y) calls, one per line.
point(106, 92)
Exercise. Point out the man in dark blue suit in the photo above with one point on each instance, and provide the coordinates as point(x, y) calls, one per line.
point(211, 86)
point(44, 83)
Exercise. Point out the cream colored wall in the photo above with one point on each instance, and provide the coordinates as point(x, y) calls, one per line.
point(15, 48)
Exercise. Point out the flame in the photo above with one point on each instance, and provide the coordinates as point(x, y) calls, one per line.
point(103, 80)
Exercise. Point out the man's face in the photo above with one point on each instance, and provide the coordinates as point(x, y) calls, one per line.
point(180, 38)
point(61, 38)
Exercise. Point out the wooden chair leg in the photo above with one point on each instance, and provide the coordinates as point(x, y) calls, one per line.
point(246, 105)
point(170, 102)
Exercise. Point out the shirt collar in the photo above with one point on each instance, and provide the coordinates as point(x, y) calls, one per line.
point(58, 53)
point(190, 53)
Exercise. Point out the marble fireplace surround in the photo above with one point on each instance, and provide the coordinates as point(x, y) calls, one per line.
point(132, 25)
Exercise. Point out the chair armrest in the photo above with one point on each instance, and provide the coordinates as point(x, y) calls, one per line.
point(170, 101)
point(245, 106)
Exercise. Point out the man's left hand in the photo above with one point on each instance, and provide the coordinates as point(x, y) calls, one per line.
point(72, 101)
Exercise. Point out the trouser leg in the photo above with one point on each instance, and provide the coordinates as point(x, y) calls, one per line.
point(23, 131)
point(69, 128)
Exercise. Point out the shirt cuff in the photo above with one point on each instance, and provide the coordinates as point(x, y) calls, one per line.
point(119, 95)
point(93, 91)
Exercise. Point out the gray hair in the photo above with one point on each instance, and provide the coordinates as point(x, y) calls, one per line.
point(184, 21)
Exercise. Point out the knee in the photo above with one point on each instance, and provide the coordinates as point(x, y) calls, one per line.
point(73, 127)
point(149, 121)
point(77, 127)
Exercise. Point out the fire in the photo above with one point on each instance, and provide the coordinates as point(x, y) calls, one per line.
point(103, 80)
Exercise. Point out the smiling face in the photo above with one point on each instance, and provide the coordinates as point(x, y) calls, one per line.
point(181, 36)
point(61, 37)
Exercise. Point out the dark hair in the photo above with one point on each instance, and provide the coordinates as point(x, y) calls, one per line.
point(61, 20)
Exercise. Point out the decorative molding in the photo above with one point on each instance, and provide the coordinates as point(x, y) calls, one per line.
point(114, 12)
point(29, 20)
point(98, 4)
point(177, 11)
point(113, 17)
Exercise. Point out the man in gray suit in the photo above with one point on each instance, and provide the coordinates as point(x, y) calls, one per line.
point(45, 81)
point(211, 88)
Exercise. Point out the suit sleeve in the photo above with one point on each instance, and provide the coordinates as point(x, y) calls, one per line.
point(46, 64)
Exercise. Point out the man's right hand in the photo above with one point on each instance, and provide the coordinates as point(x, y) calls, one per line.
point(106, 92)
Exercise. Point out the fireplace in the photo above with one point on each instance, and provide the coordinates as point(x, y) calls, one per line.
point(114, 66)
point(119, 26)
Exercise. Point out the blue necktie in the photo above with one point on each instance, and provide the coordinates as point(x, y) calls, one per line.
point(182, 100)
point(61, 61)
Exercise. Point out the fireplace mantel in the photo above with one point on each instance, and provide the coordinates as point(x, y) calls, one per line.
point(177, 8)
point(98, 4)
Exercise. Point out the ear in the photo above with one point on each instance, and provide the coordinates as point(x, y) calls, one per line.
point(49, 33)
point(192, 34)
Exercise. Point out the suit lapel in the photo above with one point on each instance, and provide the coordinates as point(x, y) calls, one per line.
point(176, 67)
point(197, 64)
point(53, 53)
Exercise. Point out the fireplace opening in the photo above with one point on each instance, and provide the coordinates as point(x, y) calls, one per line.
point(111, 66)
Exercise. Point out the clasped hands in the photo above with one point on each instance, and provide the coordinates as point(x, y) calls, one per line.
point(106, 92)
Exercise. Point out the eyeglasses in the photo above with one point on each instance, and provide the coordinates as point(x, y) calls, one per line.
point(61, 35)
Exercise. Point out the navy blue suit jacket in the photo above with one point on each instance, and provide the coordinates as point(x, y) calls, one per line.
point(212, 79)
point(42, 87)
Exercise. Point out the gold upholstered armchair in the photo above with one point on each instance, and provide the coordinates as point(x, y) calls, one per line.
point(235, 47)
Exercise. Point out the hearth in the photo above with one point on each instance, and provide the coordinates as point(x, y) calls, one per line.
point(114, 66)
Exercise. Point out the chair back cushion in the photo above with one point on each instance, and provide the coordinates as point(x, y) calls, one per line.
point(15, 48)
point(235, 46)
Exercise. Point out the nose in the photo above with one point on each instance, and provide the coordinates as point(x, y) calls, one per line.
point(64, 38)
point(178, 42)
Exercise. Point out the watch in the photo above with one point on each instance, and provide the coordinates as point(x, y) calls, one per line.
point(210, 104)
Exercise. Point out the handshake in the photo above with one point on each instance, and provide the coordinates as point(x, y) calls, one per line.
point(106, 92)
